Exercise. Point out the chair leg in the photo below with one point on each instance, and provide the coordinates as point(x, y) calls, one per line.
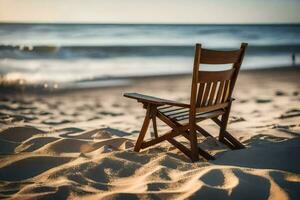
point(194, 145)
point(235, 143)
point(190, 135)
point(154, 124)
point(224, 136)
point(223, 126)
point(144, 129)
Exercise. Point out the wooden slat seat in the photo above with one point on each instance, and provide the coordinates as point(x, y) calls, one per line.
point(173, 110)
point(179, 114)
point(211, 93)
point(202, 116)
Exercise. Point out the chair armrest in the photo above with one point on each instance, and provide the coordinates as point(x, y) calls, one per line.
point(154, 100)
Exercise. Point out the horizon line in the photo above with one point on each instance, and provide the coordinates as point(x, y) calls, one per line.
point(146, 23)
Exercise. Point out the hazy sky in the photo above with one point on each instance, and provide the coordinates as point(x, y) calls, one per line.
point(151, 11)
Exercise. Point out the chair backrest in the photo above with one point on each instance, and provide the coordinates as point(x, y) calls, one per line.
point(213, 89)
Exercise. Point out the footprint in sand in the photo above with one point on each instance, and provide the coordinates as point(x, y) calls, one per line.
point(235, 119)
point(290, 113)
point(243, 101)
point(110, 114)
point(263, 100)
point(56, 122)
point(280, 93)
point(278, 126)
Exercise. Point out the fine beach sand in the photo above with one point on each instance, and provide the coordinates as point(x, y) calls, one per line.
point(80, 144)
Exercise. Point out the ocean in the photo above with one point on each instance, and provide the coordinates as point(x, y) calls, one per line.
point(39, 53)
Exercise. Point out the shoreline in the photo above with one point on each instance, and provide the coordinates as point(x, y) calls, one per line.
point(103, 83)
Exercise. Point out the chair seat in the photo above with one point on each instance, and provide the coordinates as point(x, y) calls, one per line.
point(180, 114)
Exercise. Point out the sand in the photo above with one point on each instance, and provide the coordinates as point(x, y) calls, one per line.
point(79, 144)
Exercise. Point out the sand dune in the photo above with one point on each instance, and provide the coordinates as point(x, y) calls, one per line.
point(53, 149)
point(29, 167)
point(19, 134)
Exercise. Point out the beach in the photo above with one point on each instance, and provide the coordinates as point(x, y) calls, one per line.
point(78, 144)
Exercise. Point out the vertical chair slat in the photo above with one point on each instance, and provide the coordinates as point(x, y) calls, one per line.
point(212, 93)
point(206, 92)
point(220, 90)
point(225, 91)
point(200, 94)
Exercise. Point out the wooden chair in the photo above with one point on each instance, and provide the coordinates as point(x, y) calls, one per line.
point(210, 99)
